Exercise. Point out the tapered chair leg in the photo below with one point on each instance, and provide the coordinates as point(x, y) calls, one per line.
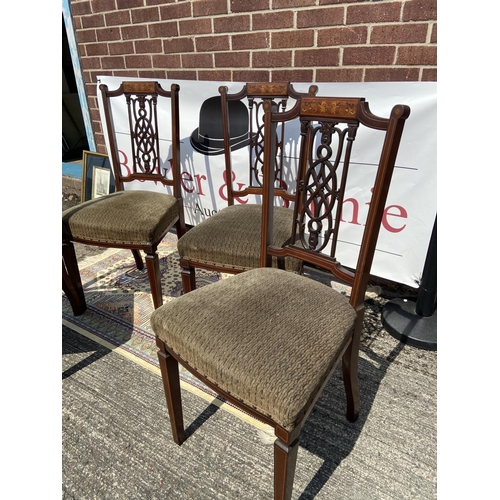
point(76, 301)
point(285, 458)
point(71, 280)
point(171, 383)
point(180, 228)
point(153, 266)
point(188, 279)
point(351, 382)
point(138, 259)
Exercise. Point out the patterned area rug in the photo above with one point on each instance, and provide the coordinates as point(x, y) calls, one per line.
point(390, 451)
point(119, 305)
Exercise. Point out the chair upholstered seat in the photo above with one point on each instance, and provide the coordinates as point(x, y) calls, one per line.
point(231, 238)
point(251, 334)
point(122, 218)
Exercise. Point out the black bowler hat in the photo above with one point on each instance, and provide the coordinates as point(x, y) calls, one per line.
point(208, 138)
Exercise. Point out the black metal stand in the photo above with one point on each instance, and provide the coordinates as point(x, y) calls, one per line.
point(415, 322)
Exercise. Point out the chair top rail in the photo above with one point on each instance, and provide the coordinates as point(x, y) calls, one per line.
point(266, 91)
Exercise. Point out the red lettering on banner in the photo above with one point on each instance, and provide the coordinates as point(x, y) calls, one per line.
point(385, 223)
point(199, 178)
point(355, 211)
point(401, 213)
point(166, 169)
point(187, 177)
point(124, 162)
point(191, 183)
point(240, 186)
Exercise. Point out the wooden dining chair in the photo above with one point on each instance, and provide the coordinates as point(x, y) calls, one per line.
point(134, 218)
point(228, 241)
point(268, 340)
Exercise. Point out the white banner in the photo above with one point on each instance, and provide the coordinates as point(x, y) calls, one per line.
point(411, 206)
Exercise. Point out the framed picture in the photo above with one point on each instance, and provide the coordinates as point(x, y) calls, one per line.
point(97, 176)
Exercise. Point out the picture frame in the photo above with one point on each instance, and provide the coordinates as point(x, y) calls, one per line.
point(97, 176)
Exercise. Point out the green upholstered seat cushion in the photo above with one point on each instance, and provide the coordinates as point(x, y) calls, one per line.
point(268, 337)
point(125, 217)
point(231, 238)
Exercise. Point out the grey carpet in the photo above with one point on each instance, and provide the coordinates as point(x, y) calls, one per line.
point(117, 442)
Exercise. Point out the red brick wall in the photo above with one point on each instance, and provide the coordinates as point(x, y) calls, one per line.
point(257, 40)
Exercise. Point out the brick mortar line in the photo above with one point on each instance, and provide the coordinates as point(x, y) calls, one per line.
point(265, 49)
point(267, 68)
point(275, 49)
point(254, 30)
point(341, 65)
point(314, 69)
point(274, 68)
point(251, 13)
point(317, 29)
point(430, 29)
